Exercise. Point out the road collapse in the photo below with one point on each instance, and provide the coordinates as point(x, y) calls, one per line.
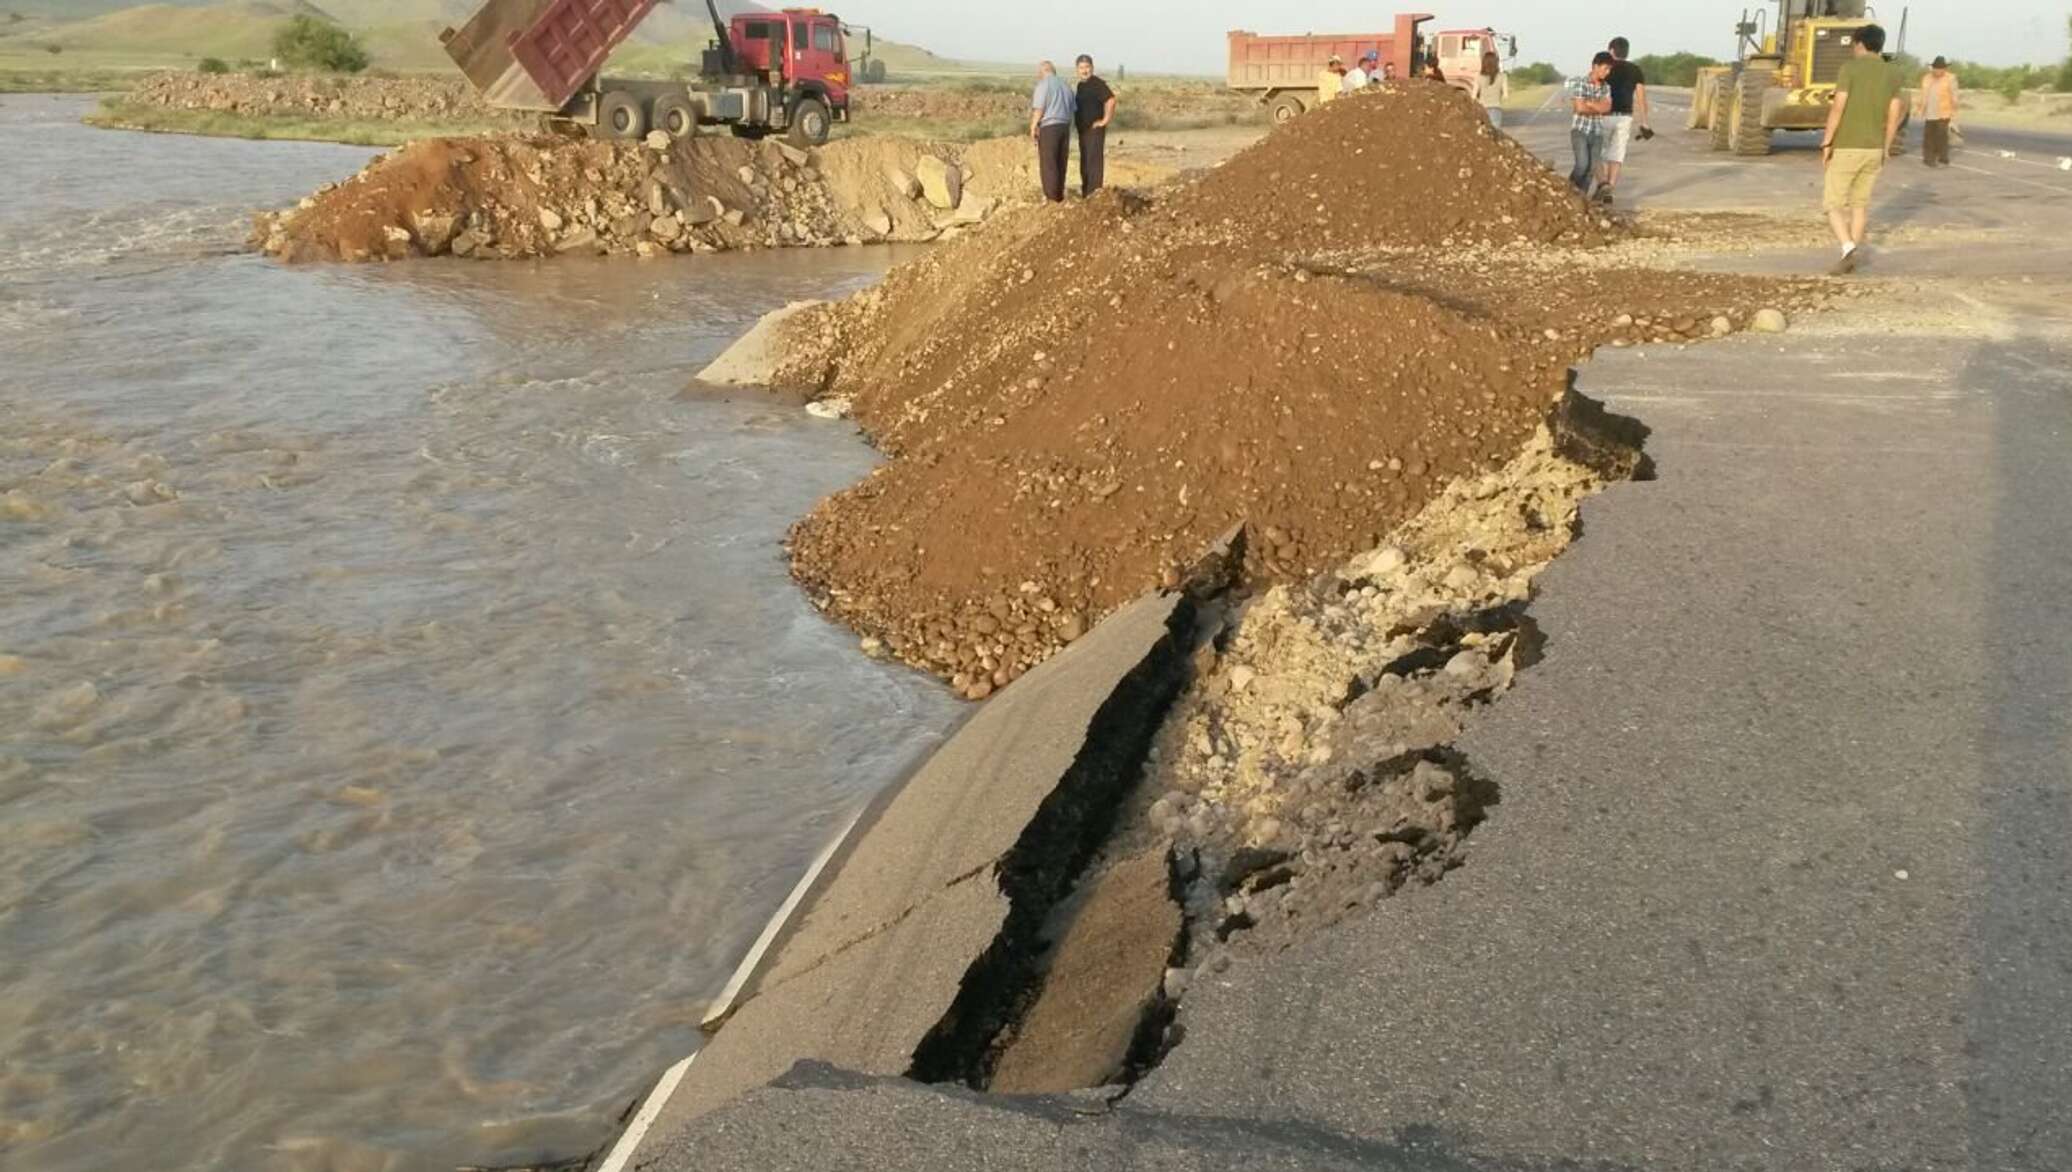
point(1379, 299)
point(513, 197)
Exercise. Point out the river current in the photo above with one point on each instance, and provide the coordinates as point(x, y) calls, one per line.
point(405, 717)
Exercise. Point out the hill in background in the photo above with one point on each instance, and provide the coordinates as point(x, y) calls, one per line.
point(401, 35)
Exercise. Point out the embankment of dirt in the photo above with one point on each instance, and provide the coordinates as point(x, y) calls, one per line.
point(510, 197)
point(1314, 340)
point(1163, 103)
point(344, 99)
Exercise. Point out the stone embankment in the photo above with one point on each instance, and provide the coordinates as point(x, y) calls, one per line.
point(430, 100)
point(513, 197)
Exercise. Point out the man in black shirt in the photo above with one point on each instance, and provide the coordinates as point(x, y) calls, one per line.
point(1629, 106)
point(1096, 108)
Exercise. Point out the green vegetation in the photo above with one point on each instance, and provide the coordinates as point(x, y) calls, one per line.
point(212, 65)
point(1675, 69)
point(306, 42)
point(1538, 73)
point(118, 114)
point(2064, 81)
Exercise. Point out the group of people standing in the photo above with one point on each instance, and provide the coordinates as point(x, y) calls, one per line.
point(1491, 86)
point(1608, 108)
point(1056, 110)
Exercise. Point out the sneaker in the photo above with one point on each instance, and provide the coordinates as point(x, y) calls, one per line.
point(1847, 263)
point(1604, 195)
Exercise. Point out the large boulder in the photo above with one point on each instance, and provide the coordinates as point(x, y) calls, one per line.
point(941, 184)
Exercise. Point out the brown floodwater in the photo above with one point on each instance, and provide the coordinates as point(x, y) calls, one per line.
point(405, 717)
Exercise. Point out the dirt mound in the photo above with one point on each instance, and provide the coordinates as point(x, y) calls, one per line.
point(1082, 399)
point(1405, 165)
point(511, 197)
point(350, 99)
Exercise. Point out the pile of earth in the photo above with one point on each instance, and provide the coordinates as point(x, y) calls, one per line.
point(510, 197)
point(1081, 400)
point(345, 99)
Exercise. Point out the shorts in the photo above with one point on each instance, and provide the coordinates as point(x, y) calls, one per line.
point(1618, 134)
point(1850, 176)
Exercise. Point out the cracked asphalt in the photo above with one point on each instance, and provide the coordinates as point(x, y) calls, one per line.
point(1781, 874)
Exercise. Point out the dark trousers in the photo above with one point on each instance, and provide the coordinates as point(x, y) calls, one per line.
point(1935, 142)
point(1093, 147)
point(1053, 146)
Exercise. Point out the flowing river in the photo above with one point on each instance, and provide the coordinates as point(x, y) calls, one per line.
point(406, 720)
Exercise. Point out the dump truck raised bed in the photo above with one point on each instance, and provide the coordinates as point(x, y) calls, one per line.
point(764, 72)
point(1281, 72)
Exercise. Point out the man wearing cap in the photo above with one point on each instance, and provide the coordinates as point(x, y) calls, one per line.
point(1936, 105)
point(1331, 82)
point(1050, 125)
point(1358, 76)
point(1861, 126)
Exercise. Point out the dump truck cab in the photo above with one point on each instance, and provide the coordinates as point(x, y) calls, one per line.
point(1459, 52)
point(803, 50)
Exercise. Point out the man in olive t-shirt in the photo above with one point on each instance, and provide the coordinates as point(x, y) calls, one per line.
point(1860, 128)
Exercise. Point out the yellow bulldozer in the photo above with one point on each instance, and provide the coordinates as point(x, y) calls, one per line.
point(1785, 79)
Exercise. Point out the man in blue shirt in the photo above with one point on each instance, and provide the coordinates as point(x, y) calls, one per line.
point(1050, 123)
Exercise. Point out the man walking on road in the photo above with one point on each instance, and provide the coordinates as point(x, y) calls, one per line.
point(1629, 108)
point(1937, 108)
point(1589, 99)
point(1050, 125)
point(1861, 127)
point(1094, 104)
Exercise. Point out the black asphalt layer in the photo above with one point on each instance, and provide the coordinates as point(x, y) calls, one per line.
point(1781, 874)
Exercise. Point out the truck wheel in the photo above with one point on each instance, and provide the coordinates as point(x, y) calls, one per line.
point(675, 116)
point(619, 115)
point(1285, 108)
point(1749, 135)
point(1701, 105)
point(1722, 124)
point(810, 123)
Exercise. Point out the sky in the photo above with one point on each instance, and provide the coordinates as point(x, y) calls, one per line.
point(1174, 36)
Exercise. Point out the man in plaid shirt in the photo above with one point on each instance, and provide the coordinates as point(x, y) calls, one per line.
point(1590, 99)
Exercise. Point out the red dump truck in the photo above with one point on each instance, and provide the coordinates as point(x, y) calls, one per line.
point(1282, 71)
point(764, 72)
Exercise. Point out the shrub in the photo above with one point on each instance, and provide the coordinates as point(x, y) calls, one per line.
point(1673, 68)
point(213, 65)
point(2064, 82)
point(309, 43)
point(53, 48)
point(1537, 73)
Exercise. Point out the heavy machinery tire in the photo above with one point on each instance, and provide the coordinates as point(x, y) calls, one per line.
point(1750, 136)
point(675, 116)
point(1701, 106)
point(1723, 92)
point(1284, 108)
point(810, 123)
point(620, 115)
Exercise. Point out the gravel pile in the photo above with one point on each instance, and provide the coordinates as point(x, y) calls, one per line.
point(1080, 400)
point(346, 99)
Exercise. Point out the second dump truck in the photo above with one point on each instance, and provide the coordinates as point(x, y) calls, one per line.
point(765, 72)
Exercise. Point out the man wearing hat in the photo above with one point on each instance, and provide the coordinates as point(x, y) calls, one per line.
point(1936, 105)
point(1366, 71)
point(1331, 82)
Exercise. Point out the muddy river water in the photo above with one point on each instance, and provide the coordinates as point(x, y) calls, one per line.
point(405, 717)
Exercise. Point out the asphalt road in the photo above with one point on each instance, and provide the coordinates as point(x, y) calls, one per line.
point(1781, 874)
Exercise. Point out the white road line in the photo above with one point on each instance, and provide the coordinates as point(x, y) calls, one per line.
point(721, 1009)
point(629, 1139)
point(2050, 187)
point(2011, 157)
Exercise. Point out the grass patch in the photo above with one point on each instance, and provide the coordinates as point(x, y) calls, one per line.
point(65, 81)
point(117, 114)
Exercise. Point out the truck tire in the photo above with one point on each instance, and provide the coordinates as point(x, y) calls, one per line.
point(810, 123)
point(1749, 135)
point(1722, 125)
point(1701, 106)
point(1285, 107)
point(620, 115)
point(675, 116)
